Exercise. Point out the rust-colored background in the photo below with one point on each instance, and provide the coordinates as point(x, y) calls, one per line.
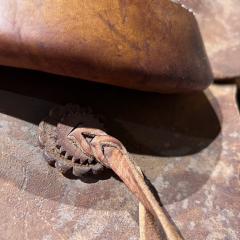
point(187, 145)
point(219, 23)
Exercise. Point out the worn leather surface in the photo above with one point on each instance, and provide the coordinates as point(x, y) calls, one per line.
point(146, 45)
point(187, 146)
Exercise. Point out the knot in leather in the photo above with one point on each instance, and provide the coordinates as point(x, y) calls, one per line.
point(96, 143)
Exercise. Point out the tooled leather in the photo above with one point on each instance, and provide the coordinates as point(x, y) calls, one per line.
point(60, 150)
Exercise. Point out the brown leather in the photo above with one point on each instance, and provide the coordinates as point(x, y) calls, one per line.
point(110, 152)
point(146, 45)
point(80, 143)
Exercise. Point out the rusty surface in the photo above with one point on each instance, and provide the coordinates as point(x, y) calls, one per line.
point(219, 23)
point(191, 156)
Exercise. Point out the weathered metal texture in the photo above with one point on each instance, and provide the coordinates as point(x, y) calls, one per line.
point(219, 23)
point(188, 147)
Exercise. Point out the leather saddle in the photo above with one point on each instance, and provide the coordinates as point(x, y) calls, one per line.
point(144, 45)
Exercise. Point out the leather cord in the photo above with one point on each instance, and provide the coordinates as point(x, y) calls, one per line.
point(110, 152)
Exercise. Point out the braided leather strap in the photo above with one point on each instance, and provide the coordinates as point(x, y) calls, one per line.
point(98, 143)
point(82, 150)
point(111, 153)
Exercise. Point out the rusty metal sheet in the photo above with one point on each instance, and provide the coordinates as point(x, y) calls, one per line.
point(219, 23)
point(188, 147)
